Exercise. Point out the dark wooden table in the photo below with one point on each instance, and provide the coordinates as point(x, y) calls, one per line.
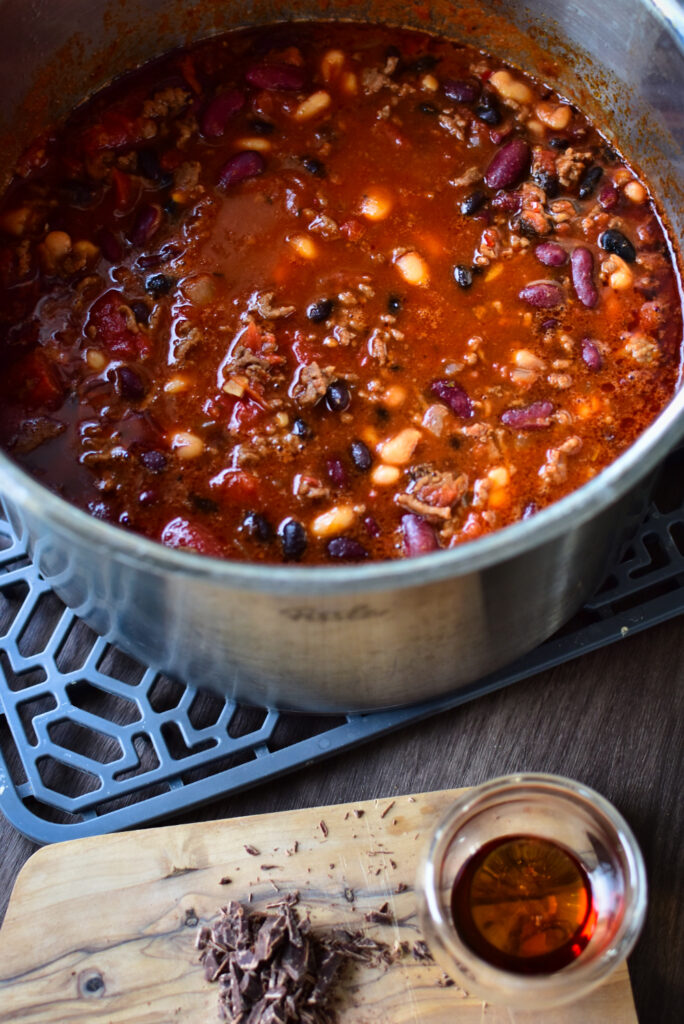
point(613, 719)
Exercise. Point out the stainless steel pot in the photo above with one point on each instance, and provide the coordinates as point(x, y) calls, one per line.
point(377, 635)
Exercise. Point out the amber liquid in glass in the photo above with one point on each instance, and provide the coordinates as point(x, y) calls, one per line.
point(524, 904)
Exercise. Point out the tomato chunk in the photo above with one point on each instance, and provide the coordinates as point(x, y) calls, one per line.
point(183, 533)
point(114, 326)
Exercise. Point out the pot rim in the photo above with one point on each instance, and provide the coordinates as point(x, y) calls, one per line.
point(512, 541)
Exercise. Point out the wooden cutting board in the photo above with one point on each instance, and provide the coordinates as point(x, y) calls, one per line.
point(103, 929)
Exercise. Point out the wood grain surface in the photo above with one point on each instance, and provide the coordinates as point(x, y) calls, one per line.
point(613, 719)
point(119, 916)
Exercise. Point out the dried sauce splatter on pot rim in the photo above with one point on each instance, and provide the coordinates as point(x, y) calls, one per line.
point(328, 293)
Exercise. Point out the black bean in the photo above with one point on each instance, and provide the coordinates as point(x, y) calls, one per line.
point(382, 414)
point(149, 167)
point(461, 92)
point(78, 193)
point(472, 203)
point(171, 207)
point(338, 396)
point(258, 527)
point(159, 284)
point(205, 505)
point(559, 142)
point(293, 539)
point(487, 110)
point(614, 241)
point(361, 456)
point(301, 428)
point(261, 127)
point(547, 181)
point(428, 108)
point(463, 276)
point(590, 180)
point(423, 64)
point(394, 304)
point(153, 460)
point(346, 549)
point(320, 310)
point(314, 166)
point(140, 310)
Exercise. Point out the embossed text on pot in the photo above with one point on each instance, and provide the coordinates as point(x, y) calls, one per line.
point(380, 635)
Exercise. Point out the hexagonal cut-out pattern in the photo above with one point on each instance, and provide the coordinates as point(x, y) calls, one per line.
point(92, 741)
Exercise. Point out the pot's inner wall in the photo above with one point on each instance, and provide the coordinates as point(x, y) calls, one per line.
point(616, 60)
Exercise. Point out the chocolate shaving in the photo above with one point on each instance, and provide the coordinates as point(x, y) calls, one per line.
point(324, 828)
point(389, 807)
point(381, 916)
point(275, 969)
point(420, 951)
point(252, 851)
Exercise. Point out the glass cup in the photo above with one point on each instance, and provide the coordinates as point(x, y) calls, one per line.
point(564, 812)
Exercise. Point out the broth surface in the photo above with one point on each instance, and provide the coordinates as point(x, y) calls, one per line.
point(322, 292)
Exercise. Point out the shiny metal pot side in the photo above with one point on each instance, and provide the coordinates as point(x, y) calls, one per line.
point(384, 634)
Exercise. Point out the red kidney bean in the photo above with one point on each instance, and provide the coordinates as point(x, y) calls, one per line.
point(219, 111)
point(454, 396)
point(146, 224)
point(418, 536)
point(110, 246)
point(247, 164)
point(276, 76)
point(336, 472)
point(582, 263)
point(509, 202)
point(532, 417)
point(591, 354)
point(148, 497)
point(551, 254)
point(461, 92)
point(372, 527)
point(346, 549)
point(542, 294)
point(608, 196)
point(509, 165)
point(499, 135)
point(128, 383)
point(181, 533)
point(154, 260)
